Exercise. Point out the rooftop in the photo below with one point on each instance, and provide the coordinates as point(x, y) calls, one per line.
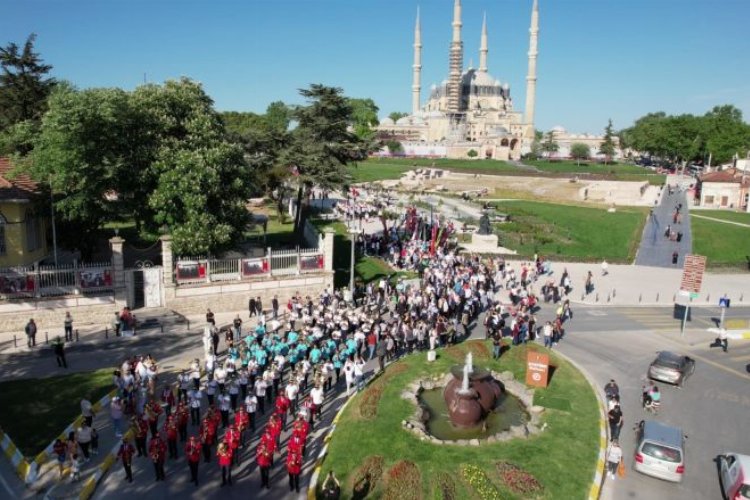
point(15, 185)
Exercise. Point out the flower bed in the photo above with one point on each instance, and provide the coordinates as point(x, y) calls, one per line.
point(367, 476)
point(368, 403)
point(445, 487)
point(478, 480)
point(404, 482)
point(518, 480)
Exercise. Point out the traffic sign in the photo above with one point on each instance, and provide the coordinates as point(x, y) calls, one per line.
point(724, 302)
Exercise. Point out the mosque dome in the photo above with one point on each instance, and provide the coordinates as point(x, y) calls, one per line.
point(559, 129)
point(387, 122)
point(406, 120)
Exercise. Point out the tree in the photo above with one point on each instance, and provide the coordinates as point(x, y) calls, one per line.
point(536, 145)
point(472, 153)
point(394, 146)
point(364, 117)
point(580, 151)
point(277, 117)
point(24, 85)
point(549, 145)
point(321, 146)
point(607, 147)
point(397, 115)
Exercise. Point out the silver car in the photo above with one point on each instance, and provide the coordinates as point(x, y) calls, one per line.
point(671, 368)
point(660, 451)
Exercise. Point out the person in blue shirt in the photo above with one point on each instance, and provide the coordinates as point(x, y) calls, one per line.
point(292, 337)
point(315, 354)
point(338, 363)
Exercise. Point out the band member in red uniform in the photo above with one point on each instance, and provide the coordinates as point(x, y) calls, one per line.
point(264, 456)
point(152, 410)
point(125, 453)
point(193, 454)
point(224, 452)
point(301, 427)
point(274, 427)
point(294, 468)
point(241, 422)
point(282, 407)
point(232, 439)
point(140, 430)
point(183, 415)
point(207, 438)
point(296, 443)
point(170, 429)
point(157, 450)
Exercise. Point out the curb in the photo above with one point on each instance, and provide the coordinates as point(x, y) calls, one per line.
point(90, 486)
point(597, 481)
point(10, 450)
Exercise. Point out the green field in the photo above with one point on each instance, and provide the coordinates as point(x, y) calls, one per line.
point(724, 245)
point(377, 169)
point(572, 418)
point(579, 233)
point(741, 217)
point(35, 411)
point(590, 168)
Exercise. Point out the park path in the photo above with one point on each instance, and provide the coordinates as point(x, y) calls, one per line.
point(724, 221)
point(655, 249)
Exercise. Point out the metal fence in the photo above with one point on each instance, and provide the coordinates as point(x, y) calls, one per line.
point(197, 270)
point(26, 282)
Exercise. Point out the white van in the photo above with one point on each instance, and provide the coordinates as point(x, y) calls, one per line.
point(660, 451)
point(735, 476)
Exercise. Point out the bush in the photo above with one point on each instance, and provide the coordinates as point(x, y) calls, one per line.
point(404, 482)
point(518, 480)
point(478, 480)
point(367, 476)
point(445, 487)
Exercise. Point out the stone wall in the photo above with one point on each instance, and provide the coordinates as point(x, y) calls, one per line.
point(49, 314)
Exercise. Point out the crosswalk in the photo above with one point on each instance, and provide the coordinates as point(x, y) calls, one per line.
point(661, 320)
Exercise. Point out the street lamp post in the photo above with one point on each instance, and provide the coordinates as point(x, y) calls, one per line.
point(352, 236)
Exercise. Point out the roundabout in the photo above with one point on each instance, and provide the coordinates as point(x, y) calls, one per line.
point(383, 446)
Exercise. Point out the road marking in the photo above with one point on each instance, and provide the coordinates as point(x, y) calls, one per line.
point(710, 362)
point(743, 358)
point(596, 312)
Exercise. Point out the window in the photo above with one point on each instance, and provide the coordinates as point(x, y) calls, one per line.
point(33, 238)
point(708, 200)
point(2, 235)
point(724, 201)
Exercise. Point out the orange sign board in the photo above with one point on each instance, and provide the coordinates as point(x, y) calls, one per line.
point(537, 369)
point(692, 274)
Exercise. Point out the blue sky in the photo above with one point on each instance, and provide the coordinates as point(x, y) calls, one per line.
point(598, 59)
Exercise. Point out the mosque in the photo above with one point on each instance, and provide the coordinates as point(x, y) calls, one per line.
point(470, 110)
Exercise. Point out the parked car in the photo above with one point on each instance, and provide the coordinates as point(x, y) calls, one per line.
point(671, 368)
point(659, 451)
point(734, 476)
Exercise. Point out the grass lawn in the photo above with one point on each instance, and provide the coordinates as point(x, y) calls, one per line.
point(591, 168)
point(741, 217)
point(36, 411)
point(570, 231)
point(376, 169)
point(562, 457)
point(724, 245)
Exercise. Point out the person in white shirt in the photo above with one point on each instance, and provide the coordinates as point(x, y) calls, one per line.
point(291, 391)
point(184, 380)
point(195, 374)
point(234, 392)
point(195, 396)
point(349, 375)
point(212, 387)
point(260, 393)
point(251, 405)
point(359, 372)
point(210, 364)
point(317, 395)
point(115, 412)
point(305, 368)
point(225, 403)
point(328, 370)
point(242, 380)
point(88, 414)
point(220, 375)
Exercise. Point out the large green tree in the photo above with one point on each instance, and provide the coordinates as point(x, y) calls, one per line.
point(321, 146)
point(607, 147)
point(364, 117)
point(580, 151)
point(549, 144)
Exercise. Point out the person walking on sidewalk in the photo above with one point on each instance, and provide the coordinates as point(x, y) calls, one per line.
point(83, 436)
point(30, 333)
point(125, 453)
point(59, 346)
point(614, 456)
point(193, 454)
point(615, 422)
point(68, 325)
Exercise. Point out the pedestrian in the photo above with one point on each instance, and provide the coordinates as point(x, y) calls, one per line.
point(170, 429)
point(275, 306)
point(251, 306)
point(75, 468)
point(125, 453)
point(614, 456)
point(605, 268)
point(497, 345)
point(68, 326)
point(264, 456)
point(59, 347)
point(381, 349)
point(210, 318)
point(206, 434)
point(140, 431)
point(349, 375)
point(359, 373)
point(331, 487)
point(60, 451)
point(83, 437)
point(616, 420)
point(723, 339)
point(294, 468)
point(157, 451)
point(224, 452)
point(94, 441)
point(115, 413)
point(251, 406)
point(30, 333)
point(193, 454)
point(167, 400)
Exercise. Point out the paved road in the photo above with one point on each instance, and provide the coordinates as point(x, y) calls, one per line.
point(619, 344)
point(656, 249)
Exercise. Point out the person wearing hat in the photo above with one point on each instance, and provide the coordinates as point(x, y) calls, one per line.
point(294, 468)
point(170, 429)
point(125, 453)
point(224, 452)
point(157, 451)
point(193, 454)
point(264, 456)
point(140, 431)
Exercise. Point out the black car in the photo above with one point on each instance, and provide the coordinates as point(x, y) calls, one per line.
point(671, 368)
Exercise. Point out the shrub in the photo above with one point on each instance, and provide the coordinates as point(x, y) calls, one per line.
point(518, 480)
point(478, 480)
point(445, 487)
point(368, 403)
point(367, 476)
point(404, 482)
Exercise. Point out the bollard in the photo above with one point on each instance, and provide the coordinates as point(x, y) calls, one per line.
point(77, 336)
point(597, 297)
point(15, 341)
point(674, 298)
point(614, 293)
point(708, 298)
point(106, 332)
point(188, 325)
point(46, 338)
point(742, 297)
point(657, 297)
point(640, 298)
point(608, 297)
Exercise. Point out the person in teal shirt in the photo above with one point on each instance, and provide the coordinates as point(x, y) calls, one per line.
point(292, 337)
point(315, 355)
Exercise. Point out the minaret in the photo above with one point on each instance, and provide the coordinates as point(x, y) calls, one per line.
point(531, 77)
point(416, 86)
point(456, 61)
point(483, 47)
